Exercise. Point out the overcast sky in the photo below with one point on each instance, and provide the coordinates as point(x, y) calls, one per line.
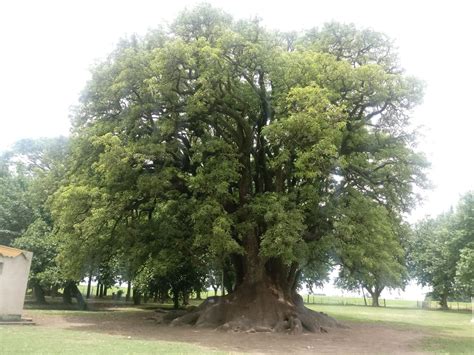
point(47, 48)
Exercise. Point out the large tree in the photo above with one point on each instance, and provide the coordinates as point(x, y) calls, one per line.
point(262, 137)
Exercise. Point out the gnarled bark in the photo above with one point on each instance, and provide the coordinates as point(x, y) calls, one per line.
point(260, 307)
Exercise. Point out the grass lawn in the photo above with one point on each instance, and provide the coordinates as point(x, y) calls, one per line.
point(452, 332)
point(448, 331)
point(36, 340)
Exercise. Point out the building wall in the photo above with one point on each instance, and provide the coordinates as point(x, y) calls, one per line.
point(13, 283)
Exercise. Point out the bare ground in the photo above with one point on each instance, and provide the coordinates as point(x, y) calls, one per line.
point(360, 338)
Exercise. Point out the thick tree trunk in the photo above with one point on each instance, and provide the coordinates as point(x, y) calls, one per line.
point(67, 295)
point(78, 295)
point(175, 300)
point(264, 300)
point(39, 293)
point(375, 300)
point(260, 306)
point(443, 302)
point(137, 297)
point(185, 298)
point(264, 296)
point(55, 291)
point(375, 295)
point(70, 291)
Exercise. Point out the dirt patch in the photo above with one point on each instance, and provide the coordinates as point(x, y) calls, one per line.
point(360, 338)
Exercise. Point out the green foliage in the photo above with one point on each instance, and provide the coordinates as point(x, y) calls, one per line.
point(15, 206)
point(441, 252)
point(358, 47)
point(40, 240)
point(31, 171)
point(465, 270)
point(283, 237)
point(219, 139)
point(464, 224)
point(433, 262)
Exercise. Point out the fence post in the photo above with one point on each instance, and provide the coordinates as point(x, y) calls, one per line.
point(384, 304)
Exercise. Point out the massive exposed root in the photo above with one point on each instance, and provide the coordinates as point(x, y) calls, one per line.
point(257, 309)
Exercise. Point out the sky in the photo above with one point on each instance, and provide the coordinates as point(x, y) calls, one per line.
point(48, 48)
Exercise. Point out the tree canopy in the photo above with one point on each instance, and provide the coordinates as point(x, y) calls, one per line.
point(259, 152)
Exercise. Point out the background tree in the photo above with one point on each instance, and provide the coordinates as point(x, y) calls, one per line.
point(37, 166)
point(15, 207)
point(434, 263)
point(254, 143)
point(441, 252)
point(465, 270)
point(45, 276)
point(369, 249)
point(464, 224)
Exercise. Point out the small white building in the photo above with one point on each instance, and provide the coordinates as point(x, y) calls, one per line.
point(14, 270)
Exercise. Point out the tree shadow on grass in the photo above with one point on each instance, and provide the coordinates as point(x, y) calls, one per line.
point(142, 324)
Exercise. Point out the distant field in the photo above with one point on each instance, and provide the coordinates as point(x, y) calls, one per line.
point(358, 301)
point(83, 289)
